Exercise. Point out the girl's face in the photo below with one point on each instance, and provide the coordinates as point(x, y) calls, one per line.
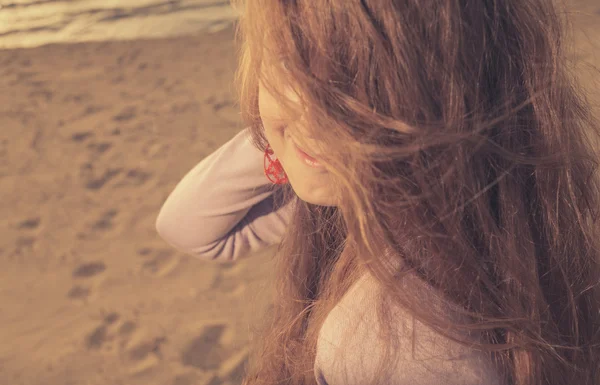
point(310, 181)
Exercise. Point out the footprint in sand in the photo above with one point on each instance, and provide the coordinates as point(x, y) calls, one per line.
point(117, 79)
point(186, 379)
point(233, 369)
point(155, 150)
point(140, 350)
point(111, 318)
point(159, 262)
point(215, 380)
point(105, 222)
point(29, 224)
point(135, 177)
point(43, 95)
point(78, 98)
point(91, 110)
point(183, 107)
point(79, 292)
point(24, 244)
point(225, 109)
point(127, 328)
point(94, 180)
point(99, 148)
point(81, 136)
point(126, 114)
point(84, 271)
point(218, 106)
point(4, 148)
point(208, 353)
point(88, 270)
point(99, 182)
point(227, 279)
point(129, 57)
point(98, 337)
point(231, 286)
point(103, 336)
point(138, 177)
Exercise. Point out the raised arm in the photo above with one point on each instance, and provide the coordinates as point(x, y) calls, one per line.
point(223, 208)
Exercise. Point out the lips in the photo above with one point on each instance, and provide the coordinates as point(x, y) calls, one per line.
point(308, 159)
point(303, 150)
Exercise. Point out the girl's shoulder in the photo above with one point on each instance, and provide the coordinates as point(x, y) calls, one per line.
point(350, 346)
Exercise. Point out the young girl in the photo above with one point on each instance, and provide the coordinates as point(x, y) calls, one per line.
point(425, 168)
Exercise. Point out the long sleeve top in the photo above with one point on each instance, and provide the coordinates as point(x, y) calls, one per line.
point(223, 210)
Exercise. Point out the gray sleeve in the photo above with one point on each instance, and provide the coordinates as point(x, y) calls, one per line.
point(225, 207)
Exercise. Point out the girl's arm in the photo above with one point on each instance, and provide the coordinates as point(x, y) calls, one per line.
point(223, 209)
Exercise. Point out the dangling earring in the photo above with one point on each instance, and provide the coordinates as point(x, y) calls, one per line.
point(273, 169)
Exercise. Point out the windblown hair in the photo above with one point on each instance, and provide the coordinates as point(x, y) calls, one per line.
point(460, 145)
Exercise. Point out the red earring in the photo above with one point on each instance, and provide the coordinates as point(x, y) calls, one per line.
point(273, 169)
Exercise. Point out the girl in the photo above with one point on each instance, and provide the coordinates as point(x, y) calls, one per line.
point(434, 195)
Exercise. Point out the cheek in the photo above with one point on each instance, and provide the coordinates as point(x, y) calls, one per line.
point(267, 107)
point(275, 134)
point(272, 114)
point(273, 127)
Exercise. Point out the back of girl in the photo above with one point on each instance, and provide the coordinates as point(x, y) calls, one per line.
point(457, 173)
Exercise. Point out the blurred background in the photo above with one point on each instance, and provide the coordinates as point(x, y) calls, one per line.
point(104, 106)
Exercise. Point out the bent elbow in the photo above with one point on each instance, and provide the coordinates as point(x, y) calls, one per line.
point(171, 232)
point(168, 229)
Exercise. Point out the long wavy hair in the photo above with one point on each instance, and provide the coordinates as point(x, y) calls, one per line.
point(459, 144)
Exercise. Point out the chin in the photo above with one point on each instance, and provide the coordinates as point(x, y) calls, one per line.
point(319, 197)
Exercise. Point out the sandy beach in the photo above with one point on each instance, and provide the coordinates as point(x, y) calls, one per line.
point(31, 23)
point(94, 136)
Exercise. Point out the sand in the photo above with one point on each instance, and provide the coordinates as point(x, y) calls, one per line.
point(93, 138)
point(31, 23)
